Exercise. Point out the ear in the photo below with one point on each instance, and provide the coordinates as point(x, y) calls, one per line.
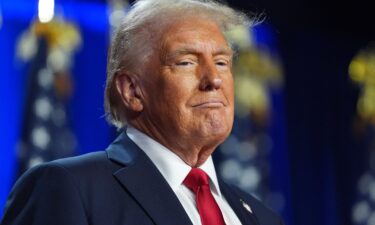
point(129, 91)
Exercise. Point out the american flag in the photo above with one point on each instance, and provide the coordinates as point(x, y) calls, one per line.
point(362, 73)
point(46, 134)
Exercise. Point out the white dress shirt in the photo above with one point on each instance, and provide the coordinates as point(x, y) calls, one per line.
point(174, 170)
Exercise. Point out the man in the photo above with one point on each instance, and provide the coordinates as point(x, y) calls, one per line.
point(170, 80)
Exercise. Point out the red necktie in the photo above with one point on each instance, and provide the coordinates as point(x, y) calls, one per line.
point(209, 211)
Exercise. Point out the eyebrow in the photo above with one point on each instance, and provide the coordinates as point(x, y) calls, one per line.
point(188, 50)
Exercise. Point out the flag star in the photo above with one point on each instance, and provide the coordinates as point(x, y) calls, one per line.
point(361, 212)
point(250, 178)
point(364, 183)
point(58, 59)
point(27, 47)
point(40, 137)
point(45, 77)
point(227, 168)
point(43, 108)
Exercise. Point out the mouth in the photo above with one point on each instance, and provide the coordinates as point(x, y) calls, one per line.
point(210, 104)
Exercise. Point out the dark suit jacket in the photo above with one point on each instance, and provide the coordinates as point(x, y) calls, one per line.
point(118, 186)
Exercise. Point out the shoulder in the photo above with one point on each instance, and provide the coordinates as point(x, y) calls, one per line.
point(61, 173)
point(64, 167)
point(53, 182)
point(67, 183)
point(69, 173)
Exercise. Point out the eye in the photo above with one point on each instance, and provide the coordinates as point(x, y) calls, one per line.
point(185, 63)
point(222, 63)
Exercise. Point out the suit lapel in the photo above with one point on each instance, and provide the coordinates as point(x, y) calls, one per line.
point(143, 181)
point(238, 205)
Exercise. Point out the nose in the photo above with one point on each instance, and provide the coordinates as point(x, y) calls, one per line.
point(210, 79)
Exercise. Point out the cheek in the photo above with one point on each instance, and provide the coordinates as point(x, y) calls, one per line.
point(228, 87)
point(179, 90)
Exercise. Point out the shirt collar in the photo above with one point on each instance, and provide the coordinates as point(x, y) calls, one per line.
point(171, 166)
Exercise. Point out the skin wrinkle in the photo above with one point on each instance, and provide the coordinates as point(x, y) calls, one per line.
point(192, 66)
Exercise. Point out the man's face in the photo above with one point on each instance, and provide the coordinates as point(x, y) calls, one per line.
point(188, 86)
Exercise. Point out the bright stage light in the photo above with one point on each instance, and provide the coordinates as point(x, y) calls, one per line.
point(46, 10)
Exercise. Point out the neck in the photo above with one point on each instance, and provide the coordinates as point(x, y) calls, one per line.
point(193, 153)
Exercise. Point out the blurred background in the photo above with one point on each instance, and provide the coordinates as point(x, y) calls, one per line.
point(303, 139)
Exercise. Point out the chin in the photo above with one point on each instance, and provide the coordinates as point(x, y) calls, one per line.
point(220, 124)
point(217, 130)
point(215, 125)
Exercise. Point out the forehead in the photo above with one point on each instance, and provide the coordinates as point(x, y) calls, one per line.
point(195, 34)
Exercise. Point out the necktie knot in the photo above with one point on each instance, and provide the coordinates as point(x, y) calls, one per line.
point(195, 179)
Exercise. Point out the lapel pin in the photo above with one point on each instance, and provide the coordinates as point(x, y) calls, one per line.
point(246, 206)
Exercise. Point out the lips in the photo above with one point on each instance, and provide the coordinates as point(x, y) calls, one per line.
point(210, 104)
